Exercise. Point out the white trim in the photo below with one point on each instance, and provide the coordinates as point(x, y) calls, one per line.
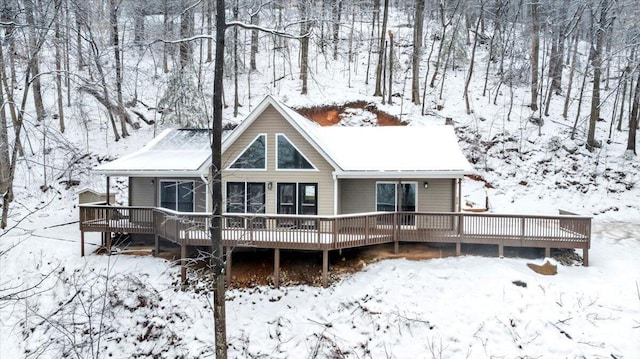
point(193, 191)
point(335, 193)
point(297, 149)
point(266, 137)
point(402, 174)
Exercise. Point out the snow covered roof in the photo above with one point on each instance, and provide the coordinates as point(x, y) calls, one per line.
point(175, 152)
point(388, 151)
point(354, 152)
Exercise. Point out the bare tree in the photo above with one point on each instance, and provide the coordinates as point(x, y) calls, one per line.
point(417, 51)
point(596, 61)
point(535, 49)
point(381, 52)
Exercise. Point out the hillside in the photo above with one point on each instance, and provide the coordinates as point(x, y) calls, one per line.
point(55, 304)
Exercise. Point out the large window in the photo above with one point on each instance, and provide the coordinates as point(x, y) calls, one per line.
point(298, 198)
point(254, 156)
point(289, 157)
point(389, 200)
point(245, 197)
point(177, 195)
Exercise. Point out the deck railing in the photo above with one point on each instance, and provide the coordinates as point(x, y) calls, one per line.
point(342, 231)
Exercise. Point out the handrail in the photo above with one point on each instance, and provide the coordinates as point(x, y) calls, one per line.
point(341, 231)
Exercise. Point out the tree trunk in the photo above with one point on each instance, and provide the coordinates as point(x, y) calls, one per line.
point(80, 17)
point(236, 101)
point(417, 51)
point(337, 15)
point(535, 49)
point(390, 68)
point(208, 12)
point(113, 15)
point(374, 18)
point(186, 31)
point(34, 60)
point(217, 250)
point(304, 45)
point(633, 119)
point(596, 60)
point(574, 64)
point(138, 22)
point(58, 55)
point(379, 67)
point(255, 20)
point(473, 57)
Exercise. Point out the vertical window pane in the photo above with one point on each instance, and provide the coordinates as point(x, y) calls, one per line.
point(286, 198)
point(235, 197)
point(408, 197)
point(255, 198)
point(185, 197)
point(308, 198)
point(168, 195)
point(386, 197)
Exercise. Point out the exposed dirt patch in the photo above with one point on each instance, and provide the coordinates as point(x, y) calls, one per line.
point(332, 115)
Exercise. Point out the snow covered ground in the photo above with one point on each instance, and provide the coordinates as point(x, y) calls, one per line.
point(464, 307)
point(54, 303)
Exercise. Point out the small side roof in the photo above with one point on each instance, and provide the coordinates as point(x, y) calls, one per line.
point(175, 152)
point(394, 151)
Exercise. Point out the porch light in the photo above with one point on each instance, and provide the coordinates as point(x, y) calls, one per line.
point(269, 185)
point(426, 184)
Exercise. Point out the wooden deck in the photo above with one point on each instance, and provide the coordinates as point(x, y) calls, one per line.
point(325, 233)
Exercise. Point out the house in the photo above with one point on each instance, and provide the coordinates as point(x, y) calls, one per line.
point(279, 162)
point(289, 183)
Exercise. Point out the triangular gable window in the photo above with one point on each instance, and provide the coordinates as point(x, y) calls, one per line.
point(254, 156)
point(289, 157)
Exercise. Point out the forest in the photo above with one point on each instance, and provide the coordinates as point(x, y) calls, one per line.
point(544, 96)
point(138, 63)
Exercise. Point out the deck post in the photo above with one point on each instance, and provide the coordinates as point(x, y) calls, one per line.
point(585, 257)
point(458, 248)
point(501, 250)
point(227, 266)
point(156, 248)
point(183, 267)
point(396, 230)
point(81, 243)
point(325, 268)
point(108, 239)
point(276, 267)
point(547, 252)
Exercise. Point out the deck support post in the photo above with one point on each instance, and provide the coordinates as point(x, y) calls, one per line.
point(396, 247)
point(547, 252)
point(227, 266)
point(156, 247)
point(81, 243)
point(108, 240)
point(183, 267)
point(501, 250)
point(325, 268)
point(276, 267)
point(585, 257)
point(458, 248)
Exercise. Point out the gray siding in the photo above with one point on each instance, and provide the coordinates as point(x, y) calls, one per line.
point(359, 195)
point(271, 123)
point(143, 191)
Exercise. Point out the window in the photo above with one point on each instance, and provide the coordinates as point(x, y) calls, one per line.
point(254, 156)
point(301, 198)
point(177, 195)
point(388, 199)
point(245, 197)
point(289, 157)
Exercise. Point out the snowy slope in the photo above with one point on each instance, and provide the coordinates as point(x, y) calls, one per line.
point(466, 307)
